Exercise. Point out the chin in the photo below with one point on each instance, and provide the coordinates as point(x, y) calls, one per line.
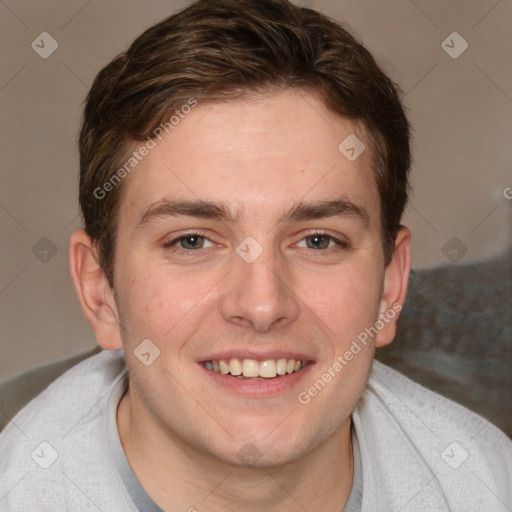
point(267, 444)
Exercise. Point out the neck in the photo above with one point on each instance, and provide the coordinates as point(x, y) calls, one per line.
point(179, 477)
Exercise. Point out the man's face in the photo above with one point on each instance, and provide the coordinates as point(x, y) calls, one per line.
point(258, 286)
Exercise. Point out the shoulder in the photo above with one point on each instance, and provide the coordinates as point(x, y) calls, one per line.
point(402, 394)
point(70, 396)
point(417, 434)
point(57, 444)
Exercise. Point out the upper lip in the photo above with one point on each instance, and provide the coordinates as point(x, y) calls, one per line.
point(257, 355)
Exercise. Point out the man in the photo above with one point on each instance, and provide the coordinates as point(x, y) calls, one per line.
point(244, 170)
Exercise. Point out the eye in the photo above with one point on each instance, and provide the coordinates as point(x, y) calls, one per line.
point(189, 242)
point(322, 240)
point(192, 243)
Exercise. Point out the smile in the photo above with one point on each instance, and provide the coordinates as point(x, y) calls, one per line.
point(253, 369)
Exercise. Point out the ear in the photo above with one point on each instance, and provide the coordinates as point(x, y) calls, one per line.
point(396, 279)
point(95, 295)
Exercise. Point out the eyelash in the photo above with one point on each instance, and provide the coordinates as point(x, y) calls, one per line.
point(343, 245)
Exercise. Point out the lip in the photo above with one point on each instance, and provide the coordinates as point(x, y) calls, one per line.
point(258, 388)
point(257, 355)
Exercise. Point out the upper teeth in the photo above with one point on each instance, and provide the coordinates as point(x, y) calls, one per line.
point(252, 368)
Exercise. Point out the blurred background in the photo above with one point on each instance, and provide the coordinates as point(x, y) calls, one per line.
point(453, 61)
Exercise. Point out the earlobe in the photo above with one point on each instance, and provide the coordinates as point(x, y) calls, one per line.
point(93, 290)
point(396, 279)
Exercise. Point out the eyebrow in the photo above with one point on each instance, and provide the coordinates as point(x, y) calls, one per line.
point(338, 207)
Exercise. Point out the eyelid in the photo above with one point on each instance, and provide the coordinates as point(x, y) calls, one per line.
point(339, 240)
point(343, 244)
point(175, 240)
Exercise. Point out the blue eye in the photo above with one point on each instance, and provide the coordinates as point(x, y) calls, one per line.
point(194, 241)
point(318, 241)
point(322, 240)
point(191, 243)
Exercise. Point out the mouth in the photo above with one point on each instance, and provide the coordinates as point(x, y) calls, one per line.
point(253, 369)
point(252, 372)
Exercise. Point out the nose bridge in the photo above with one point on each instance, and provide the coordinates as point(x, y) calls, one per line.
point(259, 294)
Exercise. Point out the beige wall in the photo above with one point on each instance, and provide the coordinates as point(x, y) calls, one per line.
point(461, 110)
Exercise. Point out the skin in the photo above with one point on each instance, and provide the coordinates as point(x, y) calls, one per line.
point(181, 433)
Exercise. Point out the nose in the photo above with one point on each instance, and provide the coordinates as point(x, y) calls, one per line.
point(260, 294)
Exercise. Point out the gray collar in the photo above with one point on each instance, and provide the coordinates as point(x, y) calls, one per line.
point(137, 493)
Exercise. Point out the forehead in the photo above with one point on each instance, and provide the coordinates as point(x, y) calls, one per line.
point(259, 155)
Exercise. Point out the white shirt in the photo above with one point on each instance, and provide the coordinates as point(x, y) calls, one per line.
point(419, 451)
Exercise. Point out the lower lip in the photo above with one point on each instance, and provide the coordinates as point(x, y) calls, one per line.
point(259, 388)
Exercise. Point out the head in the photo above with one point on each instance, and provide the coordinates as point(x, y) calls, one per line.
point(253, 110)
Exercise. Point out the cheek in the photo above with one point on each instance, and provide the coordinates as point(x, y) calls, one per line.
point(346, 300)
point(157, 303)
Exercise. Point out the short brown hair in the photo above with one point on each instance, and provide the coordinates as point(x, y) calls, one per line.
point(218, 49)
